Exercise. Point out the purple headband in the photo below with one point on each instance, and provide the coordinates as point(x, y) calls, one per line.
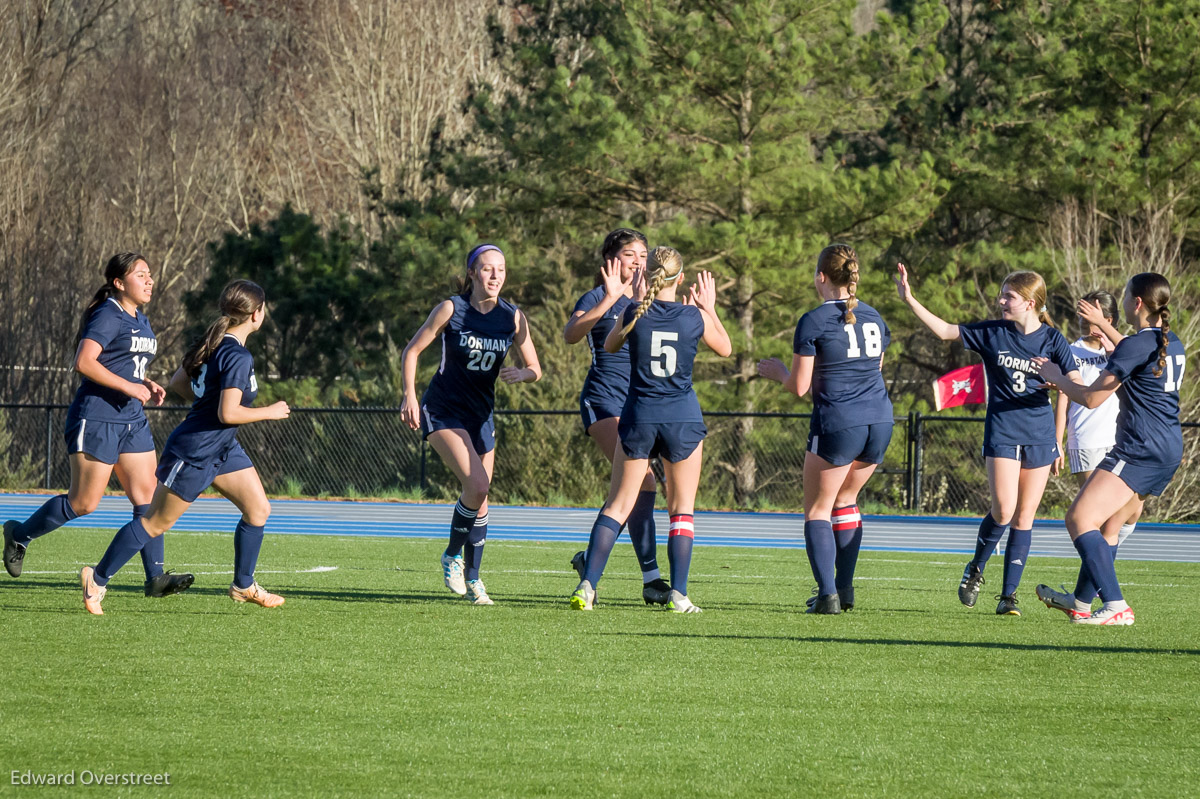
point(480, 250)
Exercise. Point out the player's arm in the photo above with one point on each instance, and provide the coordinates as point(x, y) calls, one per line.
point(231, 411)
point(181, 384)
point(1092, 396)
point(531, 370)
point(797, 380)
point(582, 322)
point(703, 295)
point(87, 364)
point(433, 326)
point(1091, 313)
point(1060, 429)
point(616, 338)
point(938, 326)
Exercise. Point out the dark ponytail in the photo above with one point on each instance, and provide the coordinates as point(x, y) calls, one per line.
point(117, 267)
point(239, 300)
point(1154, 291)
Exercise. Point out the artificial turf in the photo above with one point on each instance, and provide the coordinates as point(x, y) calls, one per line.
point(373, 680)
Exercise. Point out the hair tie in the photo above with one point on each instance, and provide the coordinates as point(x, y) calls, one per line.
point(480, 250)
point(1042, 309)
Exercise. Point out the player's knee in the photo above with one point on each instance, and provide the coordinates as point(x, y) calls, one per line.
point(475, 490)
point(258, 513)
point(649, 483)
point(83, 505)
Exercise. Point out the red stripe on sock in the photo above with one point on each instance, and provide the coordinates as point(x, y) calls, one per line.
point(682, 525)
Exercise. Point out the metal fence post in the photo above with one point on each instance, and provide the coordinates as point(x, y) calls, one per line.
point(424, 446)
point(918, 440)
point(49, 442)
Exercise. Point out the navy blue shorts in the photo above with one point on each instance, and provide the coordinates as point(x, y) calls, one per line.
point(105, 441)
point(1144, 478)
point(1031, 456)
point(189, 480)
point(671, 441)
point(866, 443)
point(593, 409)
point(482, 432)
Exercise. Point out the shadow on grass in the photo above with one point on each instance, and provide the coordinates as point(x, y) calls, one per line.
point(820, 639)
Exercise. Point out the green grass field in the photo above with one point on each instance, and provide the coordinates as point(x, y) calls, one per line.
point(373, 680)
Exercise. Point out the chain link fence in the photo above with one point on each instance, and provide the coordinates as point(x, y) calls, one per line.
point(752, 461)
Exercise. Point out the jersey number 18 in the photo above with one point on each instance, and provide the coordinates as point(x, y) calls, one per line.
point(872, 340)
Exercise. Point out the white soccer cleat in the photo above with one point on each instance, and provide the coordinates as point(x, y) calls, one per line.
point(584, 597)
point(1111, 617)
point(679, 603)
point(477, 594)
point(452, 574)
point(1059, 600)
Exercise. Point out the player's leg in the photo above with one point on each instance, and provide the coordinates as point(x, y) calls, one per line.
point(243, 487)
point(1003, 478)
point(473, 548)
point(89, 478)
point(457, 451)
point(135, 471)
point(627, 476)
point(823, 482)
point(1031, 484)
point(683, 480)
point(848, 529)
point(1103, 496)
point(165, 509)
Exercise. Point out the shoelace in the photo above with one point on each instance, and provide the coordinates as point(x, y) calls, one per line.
point(477, 590)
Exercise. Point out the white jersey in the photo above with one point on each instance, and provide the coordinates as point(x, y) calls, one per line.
point(1095, 428)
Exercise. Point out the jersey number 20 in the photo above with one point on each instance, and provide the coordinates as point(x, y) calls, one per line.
point(660, 349)
point(480, 361)
point(872, 340)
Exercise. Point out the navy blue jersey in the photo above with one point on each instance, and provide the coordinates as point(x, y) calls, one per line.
point(202, 436)
point(1017, 413)
point(473, 348)
point(1148, 423)
point(609, 376)
point(662, 349)
point(127, 346)
point(847, 386)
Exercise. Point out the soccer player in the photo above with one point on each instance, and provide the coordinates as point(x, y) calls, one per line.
point(838, 353)
point(1018, 433)
point(477, 328)
point(106, 427)
point(661, 417)
point(1092, 432)
point(218, 373)
point(1145, 371)
point(606, 386)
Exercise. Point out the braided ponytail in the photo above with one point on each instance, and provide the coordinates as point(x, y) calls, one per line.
point(239, 300)
point(839, 264)
point(117, 268)
point(664, 265)
point(1154, 291)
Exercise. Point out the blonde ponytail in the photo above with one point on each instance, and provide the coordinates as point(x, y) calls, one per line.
point(839, 264)
point(664, 265)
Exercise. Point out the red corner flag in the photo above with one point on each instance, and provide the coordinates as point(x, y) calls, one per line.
point(963, 386)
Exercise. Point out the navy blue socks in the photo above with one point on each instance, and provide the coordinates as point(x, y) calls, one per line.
point(54, 513)
point(1098, 560)
point(247, 541)
point(128, 541)
point(821, 548)
point(473, 554)
point(847, 534)
point(1085, 586)
point(990, 533)
point(461, 524)
point(600, 545)
point(1016, 555)
point(679, 550)
point(154, 554)
point(641, 534)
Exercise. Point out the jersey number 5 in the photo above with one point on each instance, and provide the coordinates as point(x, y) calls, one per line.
point(872, 340)
point(659, 349)
point(480, 361)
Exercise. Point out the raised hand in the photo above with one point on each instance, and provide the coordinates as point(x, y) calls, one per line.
point(901, 281)
point(1090, 312)
point(610, 275)
point(773, 369)
point(639, 283)
point(703, 293)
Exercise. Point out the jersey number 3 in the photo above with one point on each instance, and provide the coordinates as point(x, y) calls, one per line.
point(872, 340)
point(659, 349)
